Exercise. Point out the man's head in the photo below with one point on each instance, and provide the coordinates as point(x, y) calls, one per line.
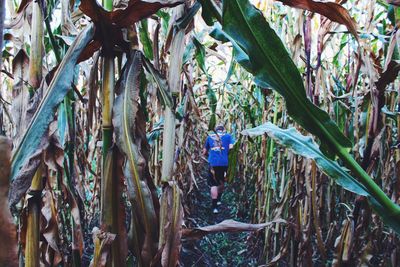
point(219, 128)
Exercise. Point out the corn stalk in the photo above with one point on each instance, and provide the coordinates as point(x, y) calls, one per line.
point(32, 253)
point(36, 54)
point(109, 183)
point(170, 224)
point(32, 249)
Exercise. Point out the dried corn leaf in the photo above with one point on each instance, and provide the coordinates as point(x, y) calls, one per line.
point(229, 226)
point(102, 247)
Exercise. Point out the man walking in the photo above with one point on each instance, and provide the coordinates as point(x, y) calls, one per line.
point(217, 145)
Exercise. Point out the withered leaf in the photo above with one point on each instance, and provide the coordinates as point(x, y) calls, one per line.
point(333, 11)
point(135, 11)
point(229, 226)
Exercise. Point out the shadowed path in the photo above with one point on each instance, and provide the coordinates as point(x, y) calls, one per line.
point(221, 249)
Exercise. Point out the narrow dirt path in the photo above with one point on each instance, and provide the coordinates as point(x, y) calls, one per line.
point(221, 249)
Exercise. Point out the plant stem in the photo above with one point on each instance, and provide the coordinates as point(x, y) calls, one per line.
point(36, 52)
point(109, 197)
point(52, 40)
point(32, 253)
point(108, 101)
point(108, 92)
point(369, 184)
point(174, 74)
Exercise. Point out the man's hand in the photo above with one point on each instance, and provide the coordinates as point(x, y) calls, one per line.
point(204, 153)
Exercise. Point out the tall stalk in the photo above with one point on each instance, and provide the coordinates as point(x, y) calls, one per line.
point(32, 253)
point(108, 80)
point(35, 59)
point(109, 198)
point(108, 100)
point(174, 74)
point(168, 223)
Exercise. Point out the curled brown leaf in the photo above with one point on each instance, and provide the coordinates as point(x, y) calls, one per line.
point(134, 12)
point(333, 11)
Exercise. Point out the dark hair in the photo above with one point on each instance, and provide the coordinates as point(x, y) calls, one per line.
point(219, 127)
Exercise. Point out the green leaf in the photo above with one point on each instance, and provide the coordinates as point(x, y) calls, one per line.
point(231, 70)
point(58, 89)
point(212, 122)
point(184, 21)
point(145, 39)
point(165, 17)
point(200, 55)
point(210, 11)
point(272, 66)
point(239, 54)
point(212, 102)
point(306, 147)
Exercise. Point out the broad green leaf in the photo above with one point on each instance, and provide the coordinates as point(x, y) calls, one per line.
point(272, 66)
point(145, 39)
point(165, 17)
point(210, 11)
point(62, 123)
point(306, 147)
point(232, 68)
point(184, 21)
point(240, 56)
point(200, 55)
point(58, 89)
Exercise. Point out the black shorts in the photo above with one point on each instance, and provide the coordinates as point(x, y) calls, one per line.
point(216, 175)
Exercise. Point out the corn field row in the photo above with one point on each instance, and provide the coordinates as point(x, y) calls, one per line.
point(105, 107)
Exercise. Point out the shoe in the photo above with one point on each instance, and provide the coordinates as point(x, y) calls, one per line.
point(215, 211)
point(219, 203)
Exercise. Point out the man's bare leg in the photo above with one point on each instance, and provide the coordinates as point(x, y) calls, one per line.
point(220, 191)
point(214, 192)
point(214, 198)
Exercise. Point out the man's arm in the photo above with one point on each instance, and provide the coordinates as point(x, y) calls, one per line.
point(231, 142)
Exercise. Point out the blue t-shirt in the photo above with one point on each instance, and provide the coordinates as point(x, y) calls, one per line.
point(218, 148)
